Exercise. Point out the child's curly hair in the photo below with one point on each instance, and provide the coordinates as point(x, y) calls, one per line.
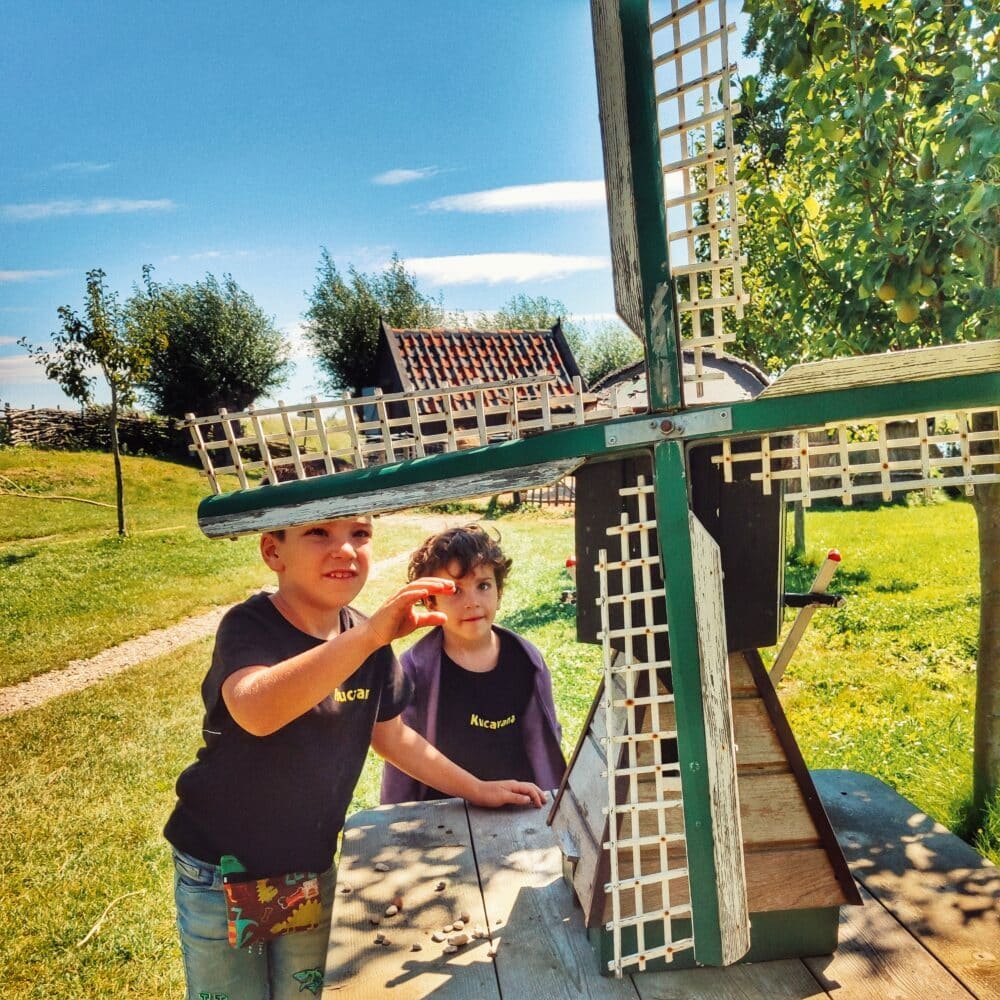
point(469, 546)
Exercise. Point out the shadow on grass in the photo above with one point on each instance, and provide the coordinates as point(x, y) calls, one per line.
point(12, 558)
point(538, 615)
point(799, 578)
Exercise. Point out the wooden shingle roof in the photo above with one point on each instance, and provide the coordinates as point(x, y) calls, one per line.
point(432, 358)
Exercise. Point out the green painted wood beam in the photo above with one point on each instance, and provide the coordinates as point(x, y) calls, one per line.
point(671, 492)
point(759, 416)
point(663, 354)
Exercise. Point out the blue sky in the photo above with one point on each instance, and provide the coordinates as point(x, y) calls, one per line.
point(241, 138)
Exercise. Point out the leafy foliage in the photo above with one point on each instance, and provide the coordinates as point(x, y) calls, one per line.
point(524, 312)
point(872, 142)
point(872, 170)
point(221, 350)
point(610, 347)
point(118, 341)
point(597, 352)
point(108, 337)
point(343, 318)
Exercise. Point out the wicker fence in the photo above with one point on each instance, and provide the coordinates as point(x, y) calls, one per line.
point(76, 430)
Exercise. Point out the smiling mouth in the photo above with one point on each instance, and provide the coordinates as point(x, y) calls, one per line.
point(341, 574)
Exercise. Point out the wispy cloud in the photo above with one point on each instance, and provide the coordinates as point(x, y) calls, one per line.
point(496, 268)
point(94, 206)
point(295, 332)
point(558, 196)
point(80, 167)
point(19, 369)
point(7, 341)
point(209, 255)
point(7, 277)
point(404, 175)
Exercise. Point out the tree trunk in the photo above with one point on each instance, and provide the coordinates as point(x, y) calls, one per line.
point(986, 741)
point(115, 451)
point(799, 521)
point(986, 738)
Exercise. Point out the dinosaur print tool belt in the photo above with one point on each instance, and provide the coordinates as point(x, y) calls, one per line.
point(261, 909)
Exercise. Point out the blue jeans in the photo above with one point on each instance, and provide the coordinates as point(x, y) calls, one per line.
point(290, 966)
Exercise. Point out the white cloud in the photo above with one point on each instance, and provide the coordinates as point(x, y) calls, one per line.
point(21, 370)
point(80, 167)
point(496, 268)
point(7, 341)
point(560, 196)
point(7, 277)
point(295, 332)
point(208, 255)
point(94, 206)
point(404, 175)
point(588, 319)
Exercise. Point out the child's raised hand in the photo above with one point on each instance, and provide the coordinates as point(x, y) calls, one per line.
point(399, 616)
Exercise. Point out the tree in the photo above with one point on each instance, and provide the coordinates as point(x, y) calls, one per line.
point(343, 318)
point(120, 342)
point(609, 347)
point(597, 352)
point(524, 312)
point(221, 350)
point(872, 142)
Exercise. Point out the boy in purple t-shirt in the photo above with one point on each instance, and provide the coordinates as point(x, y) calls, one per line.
point(482, 694)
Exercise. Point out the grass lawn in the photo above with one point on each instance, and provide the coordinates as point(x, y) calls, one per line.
point(884, 685)
point(72, 587)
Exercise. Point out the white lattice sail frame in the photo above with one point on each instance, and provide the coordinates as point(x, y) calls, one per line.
point(924, 451)
point(382, 428)
point(693, 79)
point(625, 711)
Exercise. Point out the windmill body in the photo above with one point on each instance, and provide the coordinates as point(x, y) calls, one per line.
point(690, 826)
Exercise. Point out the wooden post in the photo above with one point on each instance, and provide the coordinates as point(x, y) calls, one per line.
point(711, 809)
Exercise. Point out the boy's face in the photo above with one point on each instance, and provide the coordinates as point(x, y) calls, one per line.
point(324, 564)
point(473, 606)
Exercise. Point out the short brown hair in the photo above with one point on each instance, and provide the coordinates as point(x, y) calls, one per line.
point(469, 546)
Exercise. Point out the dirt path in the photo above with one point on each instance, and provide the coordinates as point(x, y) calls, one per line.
point(79, 674)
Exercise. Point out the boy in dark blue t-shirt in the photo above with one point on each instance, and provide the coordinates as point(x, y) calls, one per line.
point(300, 685)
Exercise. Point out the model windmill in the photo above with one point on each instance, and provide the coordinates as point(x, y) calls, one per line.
point(688, 820)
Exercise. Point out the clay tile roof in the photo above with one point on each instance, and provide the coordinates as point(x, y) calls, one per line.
point(428, 359)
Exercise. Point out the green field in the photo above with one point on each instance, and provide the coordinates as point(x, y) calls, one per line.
point(884, 685)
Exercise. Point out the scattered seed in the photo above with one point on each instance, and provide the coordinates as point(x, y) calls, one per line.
point(448, 928)
point(385, 942)
point(498, 921)
point(439, 887)
point(375, 919)
point(466, 917)
point(437, 936)
point(380, 938)
point(449, 949)
point(391, 911)
point(448, 831)
point(459, 939)
point(479, 932)
point(345, 889)
point(416, 946)
point(397, 901)
point(492, 953)
point(459, 925)
point(381, 866)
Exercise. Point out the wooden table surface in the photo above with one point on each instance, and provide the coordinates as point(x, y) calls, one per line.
point(930, 926)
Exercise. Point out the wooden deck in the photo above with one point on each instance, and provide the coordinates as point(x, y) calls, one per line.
point(929, 929)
